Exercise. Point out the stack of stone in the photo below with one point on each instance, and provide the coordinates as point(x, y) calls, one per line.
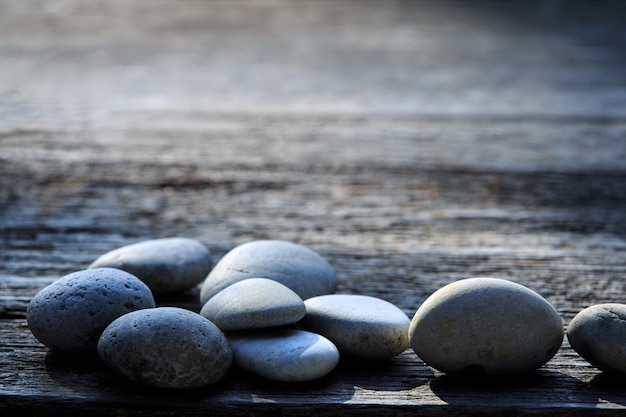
point(267, 305)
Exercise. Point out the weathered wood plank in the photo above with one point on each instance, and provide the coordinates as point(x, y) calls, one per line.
point(410, 143)
point(45, 379)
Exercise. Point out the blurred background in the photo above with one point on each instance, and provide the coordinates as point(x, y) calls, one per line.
point(416, 142)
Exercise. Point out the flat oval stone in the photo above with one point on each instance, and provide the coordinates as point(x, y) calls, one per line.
point(166, 347)
point(284, 354)
point(165, 265)
point(297, 267)
point(359, 325)
point(598, 334)
point(71, 313)
point(486, 325)
point(254, 303)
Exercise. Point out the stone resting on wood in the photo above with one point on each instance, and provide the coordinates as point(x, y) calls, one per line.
point(412, 145)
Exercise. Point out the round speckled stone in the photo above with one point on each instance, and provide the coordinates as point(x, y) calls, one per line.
point(254, 303)
point(284, 354)
point(165, 265)
point(71, 313)
point(598, 334)
point(166, 347)
point(297, 267)
point(486, 325)
point(359, 325)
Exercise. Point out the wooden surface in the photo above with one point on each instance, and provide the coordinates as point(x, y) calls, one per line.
point(411, 143)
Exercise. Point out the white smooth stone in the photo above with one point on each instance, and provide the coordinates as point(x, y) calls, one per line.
point(254, 303)
point(486, 325)
point(165, 265)
point(71, 313)
point(284, 354)
point(166, 347)
point(359, 325)
point(598, 334)
point(297, 267)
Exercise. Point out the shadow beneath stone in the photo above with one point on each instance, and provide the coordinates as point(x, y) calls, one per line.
point(609, 387)
point(75, 372)
point(329, 389)
point(539, 389)
point(189, 299)
point(401, 373)
point(86, 376)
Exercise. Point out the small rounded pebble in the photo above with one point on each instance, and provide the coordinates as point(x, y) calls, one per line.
point(598, 334)
point(297, 267)
point(71, 313)
point(486, 325)
point(359, 325)
point(284, 354)
point(165, 265)
point(254, 303)
point(166, 347)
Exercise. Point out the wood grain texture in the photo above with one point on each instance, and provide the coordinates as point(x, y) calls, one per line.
point(411, 143)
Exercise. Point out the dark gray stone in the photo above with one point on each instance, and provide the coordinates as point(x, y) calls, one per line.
point(167, 347)
point(71, 313)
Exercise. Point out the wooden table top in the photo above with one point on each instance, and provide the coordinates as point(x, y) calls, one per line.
point(411, 143)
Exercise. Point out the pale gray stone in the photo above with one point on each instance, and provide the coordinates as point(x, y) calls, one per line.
point(598, 334)
point(166, 347)
point(284, 354)
point(359, 325)
point(486, 325)
point(254, 303)
point(165, 265)
point(71, 313)
point(295, 266)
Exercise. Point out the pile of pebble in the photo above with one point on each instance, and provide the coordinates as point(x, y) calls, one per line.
point(269, 307)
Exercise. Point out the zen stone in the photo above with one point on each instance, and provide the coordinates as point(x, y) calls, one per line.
point(359, 325)
point(486, 325)
point(71, 313)
point(165, 265)
point(295, 266)
point(254, 303)
point(598, 334)
point(284, 354)
point(166, 347)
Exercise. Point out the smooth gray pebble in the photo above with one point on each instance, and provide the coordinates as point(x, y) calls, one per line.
point(295, 266)
point(254, 303)
point(598, 334)
point(359, 325)
point(165, 265)
point(284, 354)
point(486, 325)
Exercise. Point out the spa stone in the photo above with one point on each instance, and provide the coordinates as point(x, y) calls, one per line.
point(486, 325)
point(71, 313)
point(297, 267)
point(359, 325)
point(166, 347)
point(165, 265)
point(284, 354)
point(598, 334)
point(254, 303)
